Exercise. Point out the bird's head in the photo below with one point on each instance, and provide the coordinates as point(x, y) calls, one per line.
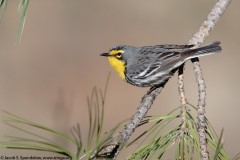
point(118, 57)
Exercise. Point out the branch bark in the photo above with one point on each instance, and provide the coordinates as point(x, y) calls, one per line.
point(111, 150)
point(198, 38)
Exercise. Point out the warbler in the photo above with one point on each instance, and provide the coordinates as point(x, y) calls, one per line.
point(151, 66)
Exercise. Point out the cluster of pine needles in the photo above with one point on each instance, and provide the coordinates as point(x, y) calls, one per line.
point(161, 135)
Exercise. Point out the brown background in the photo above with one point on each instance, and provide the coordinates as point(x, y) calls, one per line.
point(47, 77)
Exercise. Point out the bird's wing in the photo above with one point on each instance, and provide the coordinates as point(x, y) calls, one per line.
point(170, 46)
point(157, 59)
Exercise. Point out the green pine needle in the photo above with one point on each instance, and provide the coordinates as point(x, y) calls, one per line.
point(186, 142)
point(36, 141)
point(3, 7)
point(23, 6)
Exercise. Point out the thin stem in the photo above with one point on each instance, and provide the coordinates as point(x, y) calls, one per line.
point(183, 100)
point(181, 86)
point(112, 149)
point(198, 38)
point(182, 97)
point(212, 19)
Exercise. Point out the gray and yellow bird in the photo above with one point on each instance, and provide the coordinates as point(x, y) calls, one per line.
point(151, 66)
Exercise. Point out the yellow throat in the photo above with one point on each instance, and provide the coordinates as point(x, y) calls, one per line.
point(117, 64)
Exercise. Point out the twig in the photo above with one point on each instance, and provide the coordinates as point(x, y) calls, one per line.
point(142, 110)
point(182, 99)
point(210, 22)
point(112, 149)
point(197, 39)
point(181, 91)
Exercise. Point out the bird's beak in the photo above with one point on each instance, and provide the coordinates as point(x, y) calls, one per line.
point(105, 54)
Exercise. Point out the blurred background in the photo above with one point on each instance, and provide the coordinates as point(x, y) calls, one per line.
point(48, 77)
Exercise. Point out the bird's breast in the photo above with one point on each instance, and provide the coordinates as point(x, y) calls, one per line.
point(118, 65)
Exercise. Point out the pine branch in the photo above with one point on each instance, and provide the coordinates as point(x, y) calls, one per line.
point(112, 149)
point(197, 39)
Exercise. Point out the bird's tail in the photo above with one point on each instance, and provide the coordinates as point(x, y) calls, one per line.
point(211, 48)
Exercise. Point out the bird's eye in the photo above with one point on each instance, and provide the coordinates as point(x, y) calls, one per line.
point(119, 55)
